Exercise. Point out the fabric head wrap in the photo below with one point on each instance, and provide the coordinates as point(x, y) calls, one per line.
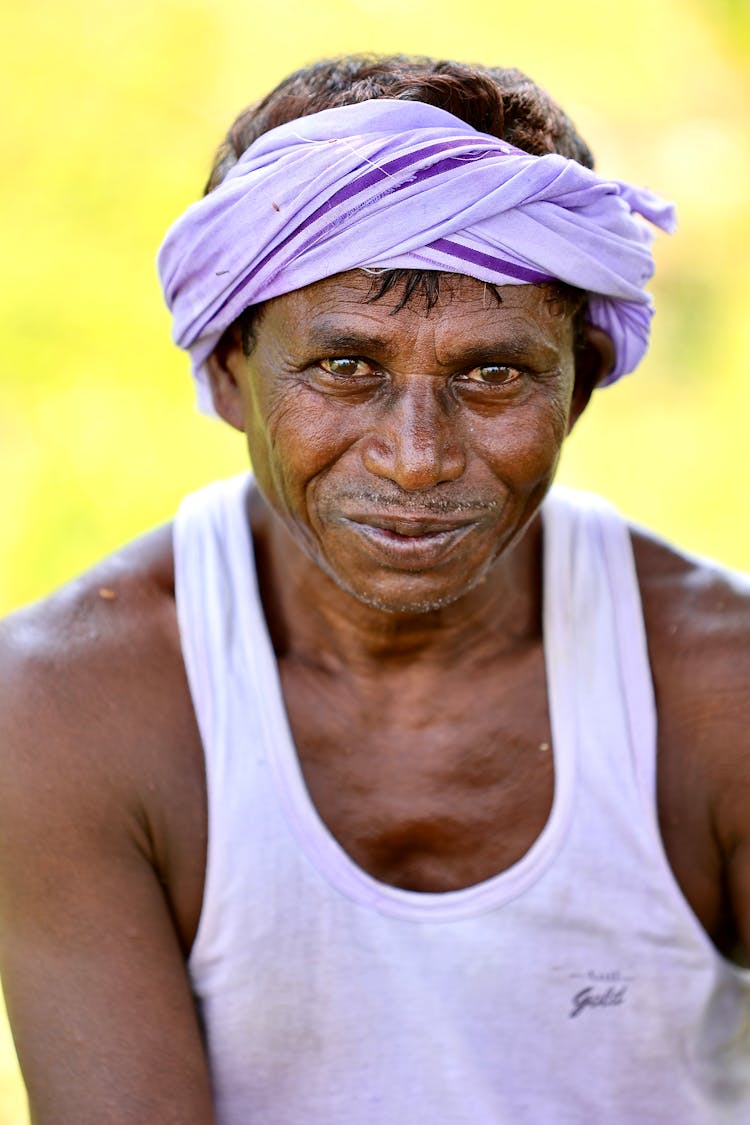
point(389, 183)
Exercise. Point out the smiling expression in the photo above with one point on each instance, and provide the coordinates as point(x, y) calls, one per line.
point(406, 450)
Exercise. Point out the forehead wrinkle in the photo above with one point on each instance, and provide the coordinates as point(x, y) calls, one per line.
point(333, 315)
point(380, 333)
point(509, 335)
point(333, 334)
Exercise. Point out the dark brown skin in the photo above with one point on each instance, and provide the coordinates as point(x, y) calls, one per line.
point(428, 656)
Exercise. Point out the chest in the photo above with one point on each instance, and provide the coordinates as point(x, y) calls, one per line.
point(430, 789)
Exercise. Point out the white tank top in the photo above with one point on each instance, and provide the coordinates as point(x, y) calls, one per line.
point(575, 987)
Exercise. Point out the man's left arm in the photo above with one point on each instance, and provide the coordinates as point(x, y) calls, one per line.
point(731, 773)
point(698, 625)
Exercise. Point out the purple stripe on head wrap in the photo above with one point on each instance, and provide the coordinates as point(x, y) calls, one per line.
point(471, 257)
point(395, 183)
point(329, 216)
point(391, 168)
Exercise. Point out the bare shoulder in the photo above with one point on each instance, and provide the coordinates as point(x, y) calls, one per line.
point(698, 622)
point(77, 658)
point(95, 712)
point(697, 617)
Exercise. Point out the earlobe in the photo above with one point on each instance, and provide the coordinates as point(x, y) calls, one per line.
point(226, 368)
point(594, 359)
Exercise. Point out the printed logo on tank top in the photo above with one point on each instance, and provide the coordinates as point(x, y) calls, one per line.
point(601, 990)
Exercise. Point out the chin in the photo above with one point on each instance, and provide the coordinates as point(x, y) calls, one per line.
point(407, 602)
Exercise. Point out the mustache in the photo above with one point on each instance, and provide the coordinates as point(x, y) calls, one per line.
point(415, 502)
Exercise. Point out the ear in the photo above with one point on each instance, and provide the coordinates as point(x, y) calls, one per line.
point(594, 359)
point(227, 367)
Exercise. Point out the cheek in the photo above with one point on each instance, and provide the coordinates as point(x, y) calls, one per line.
point(294, 437)
point(526, 441)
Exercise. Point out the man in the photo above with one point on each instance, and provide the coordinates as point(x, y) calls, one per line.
point(344, 800)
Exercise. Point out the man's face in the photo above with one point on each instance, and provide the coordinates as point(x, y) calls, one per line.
point(405, 451)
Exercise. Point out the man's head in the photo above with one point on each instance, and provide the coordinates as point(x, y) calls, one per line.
point(405, 447)
point(403, 283)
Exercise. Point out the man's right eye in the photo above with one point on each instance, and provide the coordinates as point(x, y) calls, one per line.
point(346, 367)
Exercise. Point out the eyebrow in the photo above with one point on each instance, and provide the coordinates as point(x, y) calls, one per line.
point(515, 349)
point(518, 347)
point(333, 339)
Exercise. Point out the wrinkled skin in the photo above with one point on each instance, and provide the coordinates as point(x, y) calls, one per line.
point(368, 426)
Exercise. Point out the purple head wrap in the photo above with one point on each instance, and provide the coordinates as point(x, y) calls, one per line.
point(390, 183)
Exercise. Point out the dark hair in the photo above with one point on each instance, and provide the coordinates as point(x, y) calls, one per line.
point(495, 100)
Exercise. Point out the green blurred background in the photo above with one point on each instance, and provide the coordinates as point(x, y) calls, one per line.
point(111, 113)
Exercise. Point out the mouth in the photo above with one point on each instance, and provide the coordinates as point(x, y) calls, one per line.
point(409, 543)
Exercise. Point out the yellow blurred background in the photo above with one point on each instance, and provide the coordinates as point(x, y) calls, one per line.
point(111, 113)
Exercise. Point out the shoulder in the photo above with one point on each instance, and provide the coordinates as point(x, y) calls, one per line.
point(85, 648)
point(697, 616)
point(95, 712)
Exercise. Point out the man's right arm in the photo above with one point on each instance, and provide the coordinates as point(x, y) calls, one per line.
point(90, 956)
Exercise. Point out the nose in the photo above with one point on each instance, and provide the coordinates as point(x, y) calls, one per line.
point(416, 443)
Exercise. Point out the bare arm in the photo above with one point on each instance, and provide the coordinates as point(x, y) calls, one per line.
point(90, 953)
point(698, 620)
point(731, 806)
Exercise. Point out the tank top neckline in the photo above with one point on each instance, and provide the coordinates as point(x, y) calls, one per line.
point(317, 842)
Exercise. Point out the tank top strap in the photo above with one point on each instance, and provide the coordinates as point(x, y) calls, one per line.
point(211, 548)
point(594, 624)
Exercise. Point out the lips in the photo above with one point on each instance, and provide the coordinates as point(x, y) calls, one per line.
point(407, 543)
point(410, 526)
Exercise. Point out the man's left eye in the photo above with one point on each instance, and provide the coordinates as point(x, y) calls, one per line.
point(493, 375)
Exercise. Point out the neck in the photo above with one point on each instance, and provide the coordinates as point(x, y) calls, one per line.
point(313, 620)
